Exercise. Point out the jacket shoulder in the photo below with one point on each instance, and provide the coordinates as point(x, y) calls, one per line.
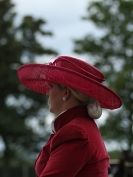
point(68, 133)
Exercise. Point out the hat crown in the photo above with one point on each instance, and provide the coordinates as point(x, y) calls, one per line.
point(79, 66)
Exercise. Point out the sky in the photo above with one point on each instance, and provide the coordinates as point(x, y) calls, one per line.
point(63, 20)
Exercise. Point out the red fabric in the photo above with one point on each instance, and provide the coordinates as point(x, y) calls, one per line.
point(76, 149)
point(69, 71)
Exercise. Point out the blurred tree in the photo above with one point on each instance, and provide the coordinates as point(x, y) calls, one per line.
point(19, 44)
point(110, 46)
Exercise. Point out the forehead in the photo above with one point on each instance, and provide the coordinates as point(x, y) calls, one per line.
point(51, 84)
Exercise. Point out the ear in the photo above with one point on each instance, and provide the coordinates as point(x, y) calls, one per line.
point(67, 94)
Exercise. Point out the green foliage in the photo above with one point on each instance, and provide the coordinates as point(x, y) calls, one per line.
point(19, 43)
point(115, 154)
point(112, 52)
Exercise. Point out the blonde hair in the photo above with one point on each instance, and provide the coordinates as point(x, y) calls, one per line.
point(93, 107)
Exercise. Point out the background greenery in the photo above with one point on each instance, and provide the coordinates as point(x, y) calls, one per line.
point(112, 52)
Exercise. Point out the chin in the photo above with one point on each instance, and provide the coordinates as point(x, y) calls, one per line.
point(51, 110)
point(54, 112)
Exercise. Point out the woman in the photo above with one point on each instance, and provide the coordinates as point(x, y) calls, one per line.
point(76, 95)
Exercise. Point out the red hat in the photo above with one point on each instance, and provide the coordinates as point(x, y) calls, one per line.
point(73, 73)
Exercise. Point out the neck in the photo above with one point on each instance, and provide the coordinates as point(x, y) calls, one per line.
point(66, 107)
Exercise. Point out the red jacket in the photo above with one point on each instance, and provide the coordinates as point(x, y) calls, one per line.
point(76, 149)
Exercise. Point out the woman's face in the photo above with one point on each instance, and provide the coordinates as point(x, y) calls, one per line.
point(55, 95)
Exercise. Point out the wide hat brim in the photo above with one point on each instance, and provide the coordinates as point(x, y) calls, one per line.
point(36, 76)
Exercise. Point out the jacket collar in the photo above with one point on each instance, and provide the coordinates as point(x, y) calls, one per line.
point(67, 116)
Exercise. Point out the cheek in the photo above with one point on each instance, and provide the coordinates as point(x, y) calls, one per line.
point(54, 104)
